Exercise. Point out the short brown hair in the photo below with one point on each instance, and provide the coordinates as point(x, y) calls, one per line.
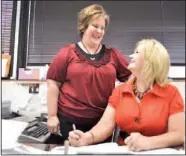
point(86, 15)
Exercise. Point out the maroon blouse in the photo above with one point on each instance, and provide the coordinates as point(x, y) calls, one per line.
point(86, 84)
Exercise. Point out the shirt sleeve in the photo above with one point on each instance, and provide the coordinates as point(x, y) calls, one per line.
point(121, 65)
point(177, 104)
point(58, 66)
point(115, 97)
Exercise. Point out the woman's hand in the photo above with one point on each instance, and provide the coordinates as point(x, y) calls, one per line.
point(79, 138)
point(53, 124)
point(137, 142)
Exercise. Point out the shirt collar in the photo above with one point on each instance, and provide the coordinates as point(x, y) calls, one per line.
point(156, 89)
point(127, 88)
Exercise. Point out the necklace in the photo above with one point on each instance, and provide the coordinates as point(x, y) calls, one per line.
point(138, 93)
point(92, 56)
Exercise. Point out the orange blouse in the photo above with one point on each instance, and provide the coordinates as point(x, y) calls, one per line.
point(150, 116)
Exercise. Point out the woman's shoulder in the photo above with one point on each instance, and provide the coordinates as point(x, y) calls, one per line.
point(66, 49)
point(112, 49)
point(116, 53)
point(168, 90)
point(68, 46)
point(171, 86)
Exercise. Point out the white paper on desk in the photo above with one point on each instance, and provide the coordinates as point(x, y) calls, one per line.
point(24, 149)
point(10, 132)
point(104, 148)
point(161, 151)
point(61, 149)
point(110, 148)
point(154, 151)
point(125, 150)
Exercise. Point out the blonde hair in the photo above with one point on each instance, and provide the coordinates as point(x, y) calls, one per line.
point(156, 62)
point(86, 15)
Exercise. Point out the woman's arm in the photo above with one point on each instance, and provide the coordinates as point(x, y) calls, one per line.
point(52, 97)
point(105, 127)
point(176, 124)
point(52, 103)
point(56, 73)
point(175, 135)
point(102, 130)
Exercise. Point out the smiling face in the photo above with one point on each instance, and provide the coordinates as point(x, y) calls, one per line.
point(150, 62)
point(95, 31)
point(137, 60)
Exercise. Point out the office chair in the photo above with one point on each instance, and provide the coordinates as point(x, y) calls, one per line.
point(117, 132)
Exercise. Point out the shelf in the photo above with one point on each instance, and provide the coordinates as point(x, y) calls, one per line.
point(26, 81)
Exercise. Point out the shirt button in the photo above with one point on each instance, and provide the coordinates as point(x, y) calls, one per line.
point(137, 120)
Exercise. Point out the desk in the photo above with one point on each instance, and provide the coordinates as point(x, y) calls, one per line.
point(104, 148)
point(11, 129)
point(107, 148)
point(53, 139)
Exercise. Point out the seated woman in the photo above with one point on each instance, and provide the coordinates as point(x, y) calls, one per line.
point(147, 107)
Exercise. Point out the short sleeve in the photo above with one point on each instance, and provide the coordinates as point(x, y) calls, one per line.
point(114, 98)
point(176, 104)
point(58, 66)
point(122, 71)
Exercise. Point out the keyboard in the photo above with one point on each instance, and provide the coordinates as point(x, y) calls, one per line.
point(35, 132)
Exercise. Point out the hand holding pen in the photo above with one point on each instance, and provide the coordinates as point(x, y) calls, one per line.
point(79, 138)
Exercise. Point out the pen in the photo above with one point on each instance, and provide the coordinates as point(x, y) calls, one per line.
point(74, 127)
point(59, 133)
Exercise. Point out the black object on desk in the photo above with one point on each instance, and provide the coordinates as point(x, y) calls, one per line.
point(37, 132)
point(55, 139)
point(123, 134)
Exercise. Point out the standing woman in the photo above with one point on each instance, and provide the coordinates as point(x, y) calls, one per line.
point(82, 75)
